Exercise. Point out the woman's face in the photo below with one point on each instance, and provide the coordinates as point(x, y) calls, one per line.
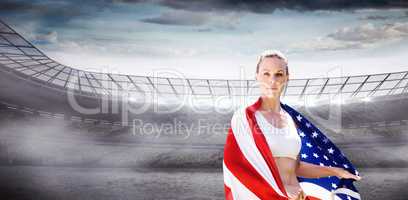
point(272, 76)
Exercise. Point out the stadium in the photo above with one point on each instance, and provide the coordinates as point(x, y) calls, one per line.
point(73, 134)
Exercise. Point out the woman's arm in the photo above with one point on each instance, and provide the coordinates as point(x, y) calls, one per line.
point(308, 170)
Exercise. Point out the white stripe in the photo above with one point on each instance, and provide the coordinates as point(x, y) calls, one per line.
point(227, 175)
point(348, 192)
point(246, 143)
point(238, 190)
point(317, 191)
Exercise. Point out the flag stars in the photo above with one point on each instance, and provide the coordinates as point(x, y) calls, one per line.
point(331, 150)
point(314, 134)
point(302, 134)
point(324, 153)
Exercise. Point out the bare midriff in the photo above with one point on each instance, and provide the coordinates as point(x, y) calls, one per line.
point(287, 171)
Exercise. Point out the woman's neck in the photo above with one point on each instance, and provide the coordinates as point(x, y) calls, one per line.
point(270, 104)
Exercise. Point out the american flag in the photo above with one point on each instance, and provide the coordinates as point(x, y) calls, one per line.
point(319, 150)
point(250, 172)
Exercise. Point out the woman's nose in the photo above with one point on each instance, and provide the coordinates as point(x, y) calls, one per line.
point(276, 79)
point(273, 79)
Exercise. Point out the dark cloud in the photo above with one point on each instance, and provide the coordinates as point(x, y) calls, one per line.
point(183, 18)
point(376, 17)
point(267, 6)
point(358, 37)
point(369, 33)
point(49, 12)
point(13, 6)
point(224, 21)
point(38, 8)
point(47, 38)
point(66, 9)
point(204, 30)
point(385, 17)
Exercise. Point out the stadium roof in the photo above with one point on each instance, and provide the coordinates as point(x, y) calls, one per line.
point(19, 56)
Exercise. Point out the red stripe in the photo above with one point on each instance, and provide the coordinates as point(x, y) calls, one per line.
point(311, 198)
point(262, 145)
point(228, 194)
point(245, 172)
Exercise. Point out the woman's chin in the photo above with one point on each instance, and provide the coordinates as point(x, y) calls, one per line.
point(271, 94)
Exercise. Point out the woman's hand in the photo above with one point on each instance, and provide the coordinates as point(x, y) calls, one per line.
point(342, 173)
point(294, 192)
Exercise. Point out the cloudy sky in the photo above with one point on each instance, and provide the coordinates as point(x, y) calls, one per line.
point(216, 38)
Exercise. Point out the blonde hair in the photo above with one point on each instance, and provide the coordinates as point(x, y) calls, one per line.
point(270, 53)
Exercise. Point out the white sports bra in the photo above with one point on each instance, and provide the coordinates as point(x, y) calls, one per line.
point(283, 142)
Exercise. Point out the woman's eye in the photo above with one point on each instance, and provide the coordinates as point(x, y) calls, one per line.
point(266, 74)
point(278, 74)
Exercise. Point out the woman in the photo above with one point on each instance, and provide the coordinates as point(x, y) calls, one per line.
point(262, 153)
